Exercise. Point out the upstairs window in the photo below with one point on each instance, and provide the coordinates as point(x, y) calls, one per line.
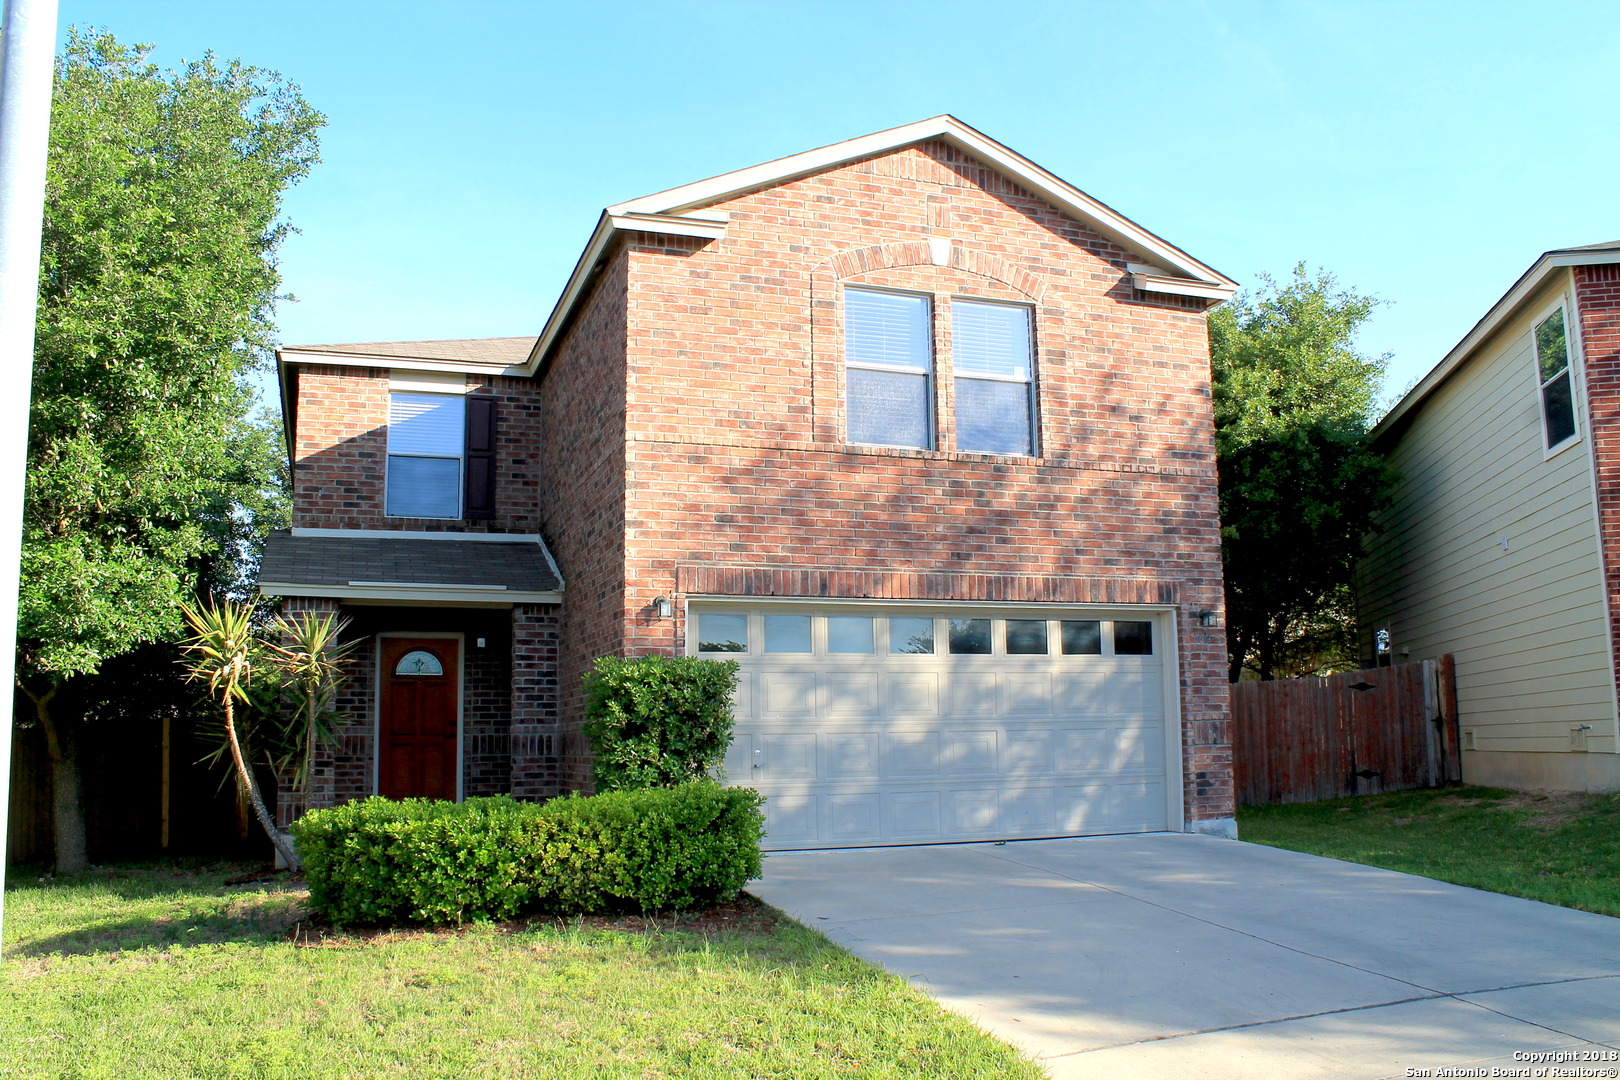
point(426, 440)
point(1557, 391)
point(888, 357)
point(990, 352)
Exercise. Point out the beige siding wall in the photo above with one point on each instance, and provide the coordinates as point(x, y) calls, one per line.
point(1527, 623)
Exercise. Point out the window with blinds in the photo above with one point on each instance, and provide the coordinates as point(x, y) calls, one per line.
point(426, 436)
point(990, 353)
point(888, 357)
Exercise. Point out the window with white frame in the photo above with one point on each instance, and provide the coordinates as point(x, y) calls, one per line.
point(888, 369)
point(990, 357)
point(1557, 389)
point(426, 438)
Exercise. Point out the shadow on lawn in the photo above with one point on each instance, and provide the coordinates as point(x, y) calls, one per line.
point(183, 906)
point(179, 905)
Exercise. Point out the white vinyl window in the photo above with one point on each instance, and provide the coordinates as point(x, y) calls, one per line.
point(1557, 390)
point(426, 434)
point(990, 351)
point(888, 356)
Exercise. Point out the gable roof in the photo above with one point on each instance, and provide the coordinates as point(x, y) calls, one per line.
point(681, 211)
point(1531, 280)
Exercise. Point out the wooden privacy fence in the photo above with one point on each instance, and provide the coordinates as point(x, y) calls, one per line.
point(1383, 729)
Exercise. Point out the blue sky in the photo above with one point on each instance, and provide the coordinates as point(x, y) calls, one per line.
point(1422, 152)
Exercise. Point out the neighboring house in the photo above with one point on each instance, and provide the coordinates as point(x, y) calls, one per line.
point(914, 431)
point(1503, 542)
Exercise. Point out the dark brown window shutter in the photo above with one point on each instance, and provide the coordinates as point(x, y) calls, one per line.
point(480, 458)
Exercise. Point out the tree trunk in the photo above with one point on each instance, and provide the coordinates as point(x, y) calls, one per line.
point(307, 787)
point(245, 776)
point(67, 805)
point(1235, 649)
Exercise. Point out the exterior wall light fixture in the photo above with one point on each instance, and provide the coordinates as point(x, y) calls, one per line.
point(1206, 617)
point(663, 607)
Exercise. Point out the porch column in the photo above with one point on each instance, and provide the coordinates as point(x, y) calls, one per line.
point(534, 701)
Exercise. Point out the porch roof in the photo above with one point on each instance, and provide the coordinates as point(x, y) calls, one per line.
point(480, 568)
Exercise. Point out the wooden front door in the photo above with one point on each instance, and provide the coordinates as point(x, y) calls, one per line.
point(417, 729)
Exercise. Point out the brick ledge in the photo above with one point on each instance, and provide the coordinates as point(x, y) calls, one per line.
point(833, 449)
point(835, 583)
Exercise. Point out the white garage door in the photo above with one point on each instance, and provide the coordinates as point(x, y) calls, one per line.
point(869, 725)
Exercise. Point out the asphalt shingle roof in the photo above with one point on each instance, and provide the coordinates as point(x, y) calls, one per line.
point(498, 350)
point(338, 560)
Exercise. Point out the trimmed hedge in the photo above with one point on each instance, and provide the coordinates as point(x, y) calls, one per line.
point(419, 860)
point(657, 721)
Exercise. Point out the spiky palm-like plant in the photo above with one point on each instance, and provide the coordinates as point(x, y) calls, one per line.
point(311, 655)
point(221, 651)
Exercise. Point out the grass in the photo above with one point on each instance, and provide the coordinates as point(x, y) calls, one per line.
point(134, 972)
point(1559, 848)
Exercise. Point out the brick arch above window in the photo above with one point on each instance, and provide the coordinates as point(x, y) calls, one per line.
point(937, 252)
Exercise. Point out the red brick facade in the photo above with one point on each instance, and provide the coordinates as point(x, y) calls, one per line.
point(340, 453)
point(734, 416)
point(686, 438)
point(1597, 302)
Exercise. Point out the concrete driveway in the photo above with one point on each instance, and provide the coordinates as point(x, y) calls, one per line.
point(1172, 955)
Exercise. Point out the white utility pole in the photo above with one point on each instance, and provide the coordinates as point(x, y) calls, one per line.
point(27, 57)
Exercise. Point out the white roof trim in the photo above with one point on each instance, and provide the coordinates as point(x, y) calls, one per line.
point(709, 225)
point(1501, 311)
point(951, 130)
point(436, 593)
point(673, 211)
point(404, 363)
point(1154, 283)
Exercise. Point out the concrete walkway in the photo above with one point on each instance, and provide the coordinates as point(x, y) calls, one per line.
point(1171, 955)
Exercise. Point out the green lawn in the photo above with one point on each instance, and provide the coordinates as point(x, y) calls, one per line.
point(139, 972)
point(1563, 849)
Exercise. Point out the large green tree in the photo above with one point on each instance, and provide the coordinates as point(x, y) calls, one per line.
point(157, 287)
point(1294, 401)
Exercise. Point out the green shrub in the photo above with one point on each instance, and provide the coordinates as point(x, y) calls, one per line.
point(417, 860)
point(656, 721)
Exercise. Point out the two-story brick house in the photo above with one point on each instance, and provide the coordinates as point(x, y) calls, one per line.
point(916, 432)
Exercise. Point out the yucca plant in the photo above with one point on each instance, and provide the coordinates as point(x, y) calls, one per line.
point(310, 657)
point(221, 651)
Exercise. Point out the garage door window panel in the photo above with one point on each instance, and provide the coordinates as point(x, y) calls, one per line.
point(849, 634)
point(787, 634)
point(1133, 639)
point(719, 632)
point(970, 637)
point(911, 637)
point(1081, 637)
point(1026, 637)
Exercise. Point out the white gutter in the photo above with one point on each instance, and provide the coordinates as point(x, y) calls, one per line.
point(1156, 283)
point(409, 363)
point(499, 596)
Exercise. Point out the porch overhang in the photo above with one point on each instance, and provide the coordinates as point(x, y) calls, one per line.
point(376, 568)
